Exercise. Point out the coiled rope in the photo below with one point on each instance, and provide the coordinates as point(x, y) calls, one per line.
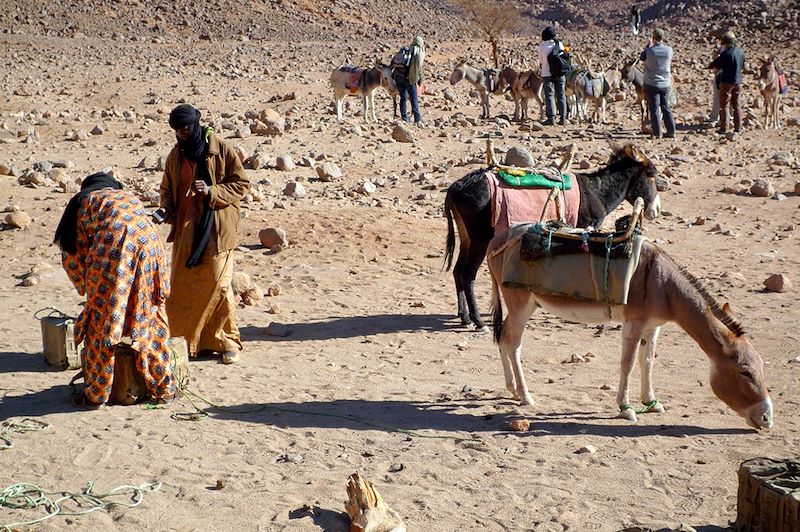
point(24, 496)
point(19, 427)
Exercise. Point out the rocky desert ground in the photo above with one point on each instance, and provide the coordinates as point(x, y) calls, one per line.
point(354, 359)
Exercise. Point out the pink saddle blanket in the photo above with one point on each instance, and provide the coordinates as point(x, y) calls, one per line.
point(512, 205)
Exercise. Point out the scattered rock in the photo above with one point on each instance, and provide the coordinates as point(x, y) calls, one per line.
point(285, 163)
point(367, 188)
point(328, 172)
point(240, 283)
point(273, 236)
point(252, 295)
point(519, 425)
point(782, 159)
point(762, 188)
point(274, 290)
point(778, 283)
point(294, 189)
point(18, 219)
point(587, 449)
point(402, 133)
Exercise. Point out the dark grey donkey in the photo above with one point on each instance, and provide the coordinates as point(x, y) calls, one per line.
point(629, 174)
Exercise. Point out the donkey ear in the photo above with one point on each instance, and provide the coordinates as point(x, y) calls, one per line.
point(615, 146)
point(719, 330)
point(634, 153)
point(726, 308)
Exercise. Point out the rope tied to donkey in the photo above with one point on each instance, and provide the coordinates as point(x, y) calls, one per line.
point(650, 406)
point(20, 427)
point(25, 496)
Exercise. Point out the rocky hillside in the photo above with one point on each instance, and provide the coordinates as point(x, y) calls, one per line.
point(342, 20)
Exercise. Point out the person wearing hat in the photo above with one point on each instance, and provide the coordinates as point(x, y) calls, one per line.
point(657, 58)
point(552, 83)
point(730, 63)
point(203, 183)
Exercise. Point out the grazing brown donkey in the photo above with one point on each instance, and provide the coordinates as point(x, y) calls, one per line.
point(770, 89)
point(660, 291)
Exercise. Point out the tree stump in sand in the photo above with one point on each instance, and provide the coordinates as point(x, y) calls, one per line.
point(367, 509)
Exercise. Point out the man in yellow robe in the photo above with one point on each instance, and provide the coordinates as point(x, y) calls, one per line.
point(203, 183)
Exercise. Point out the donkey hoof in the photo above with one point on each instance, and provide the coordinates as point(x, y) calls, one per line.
point(526, 401)
point(628, 413)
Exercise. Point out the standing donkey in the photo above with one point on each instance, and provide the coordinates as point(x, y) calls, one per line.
point(770, 89)
point(632, 73)
point(348, 79)
point(523, 86)
point(660, 292)
point(486, 82)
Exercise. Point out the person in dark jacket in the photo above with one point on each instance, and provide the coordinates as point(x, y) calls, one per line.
point(730, 63)
point(552, 84)
point(657, 58)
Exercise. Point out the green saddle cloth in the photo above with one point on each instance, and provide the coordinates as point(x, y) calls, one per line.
point(534, 180)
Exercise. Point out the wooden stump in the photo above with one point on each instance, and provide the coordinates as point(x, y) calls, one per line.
point(367, 509)
point(769, 496)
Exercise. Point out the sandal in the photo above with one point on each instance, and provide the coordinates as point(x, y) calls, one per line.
point(165, 400)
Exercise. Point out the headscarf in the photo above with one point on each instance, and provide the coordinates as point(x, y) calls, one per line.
point(415, 69)
point(549, 33)
point(195, 146)
point(67, 230)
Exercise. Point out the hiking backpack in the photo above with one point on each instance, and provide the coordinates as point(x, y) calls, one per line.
point(402, 59)
point(559, 61)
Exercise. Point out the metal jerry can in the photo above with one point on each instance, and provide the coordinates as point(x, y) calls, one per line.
point(58, 340)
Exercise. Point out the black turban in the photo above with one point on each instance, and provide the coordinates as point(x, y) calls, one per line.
point(67, 231)
point(549, 33)
point(194, 147)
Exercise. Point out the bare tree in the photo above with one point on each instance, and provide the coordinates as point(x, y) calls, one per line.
point(491, 19)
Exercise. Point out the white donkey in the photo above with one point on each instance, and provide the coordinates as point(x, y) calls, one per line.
point(486, 81)
point(348, 79)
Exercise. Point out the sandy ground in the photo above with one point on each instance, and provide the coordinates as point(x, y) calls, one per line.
point(376, 374)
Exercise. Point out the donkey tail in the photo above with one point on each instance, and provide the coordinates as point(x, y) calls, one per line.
point(450, 245)
point(497, 312)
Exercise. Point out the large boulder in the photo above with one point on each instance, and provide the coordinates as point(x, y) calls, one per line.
point(273, 236)
point(521, 157)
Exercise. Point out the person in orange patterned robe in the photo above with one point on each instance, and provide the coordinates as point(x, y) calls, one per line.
point(114, 256)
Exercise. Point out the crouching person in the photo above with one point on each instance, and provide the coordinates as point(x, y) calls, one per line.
point(114, 256)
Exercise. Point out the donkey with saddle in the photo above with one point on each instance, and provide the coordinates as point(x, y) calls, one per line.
point(483, 204)
point(348, 79)
point(586, 276)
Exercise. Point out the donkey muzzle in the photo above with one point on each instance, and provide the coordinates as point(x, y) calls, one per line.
point(759, 416)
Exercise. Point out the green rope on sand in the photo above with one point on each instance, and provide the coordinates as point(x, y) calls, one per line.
point(26, 425)
point(648, 407)
point(24, 496)
point(202, 413)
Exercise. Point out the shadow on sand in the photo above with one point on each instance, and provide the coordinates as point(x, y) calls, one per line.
point(352, 326)
point(450, 417)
